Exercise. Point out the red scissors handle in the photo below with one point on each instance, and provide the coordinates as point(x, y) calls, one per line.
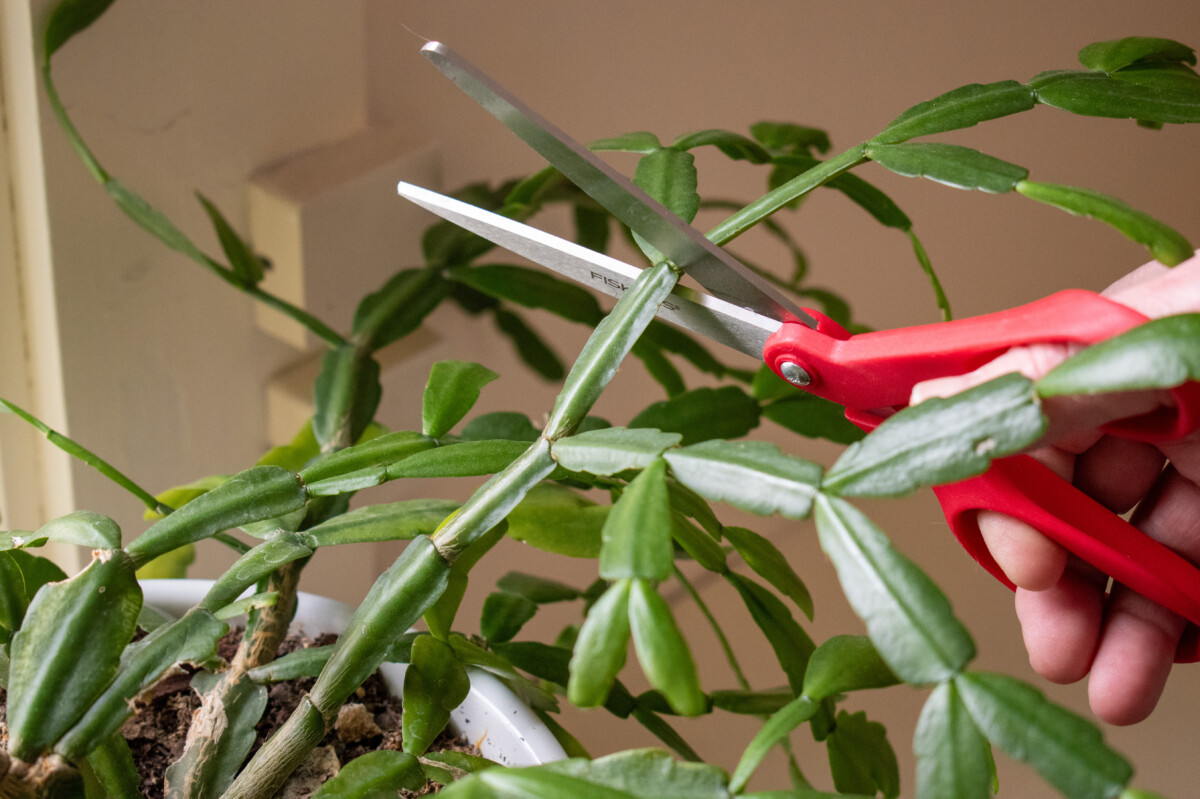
point(873, 374)
point(1026, 490)
point(876, 371)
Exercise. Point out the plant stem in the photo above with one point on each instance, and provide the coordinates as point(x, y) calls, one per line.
point(76, 450)
point(716, 628)
point(795, 188)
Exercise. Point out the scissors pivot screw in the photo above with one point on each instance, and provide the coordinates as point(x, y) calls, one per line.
point(794, 374)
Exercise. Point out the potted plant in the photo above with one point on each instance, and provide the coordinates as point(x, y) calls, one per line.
point(636, 497)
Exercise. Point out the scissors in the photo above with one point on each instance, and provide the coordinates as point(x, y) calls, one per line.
point(870, 374)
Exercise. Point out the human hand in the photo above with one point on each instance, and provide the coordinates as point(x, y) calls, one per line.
point(1071, 628)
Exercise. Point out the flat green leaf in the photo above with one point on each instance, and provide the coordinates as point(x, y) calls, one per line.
point(776, 729)
point(452, 389)
point(504, 615)
point(792, 646)
point(191, 639)
point(261, 492)
point(248, 604)
point(375, 775)
point(1098, 95)
point(860, 757)
point(751, 703)
point(702, 414)
point(508, 425)
point(532, 349)
point(813, 417)
point(382, 450)
point(648, 774)
point(592, 228)
point(1160, 76)
point(846, 663)
point(36, 571)
point(734, 145)
point(179, 496)
point(1164, 243)
point(698, 544)
point(1159, 354)
point(152, 220)
point(255, 565)
point(348, 483)
point(677, 342)
point(68, 19)
point(434, 684)
point(659, 367)
point(171, 565)
point(770, 564)
point(532, 288)
point(636, 537)
point(953, 760)
point(949, 164)
point(112, 767)
point(611, 341)
point(398, 308)
point(940, 441)
point(788, 137)
point(1117, 54)
point(84, 528)
point(392, 521)
point(664, 655)
point(752, 475)
point(908, 618)
point(346, 395)
point(556, 519)
point(440, 616)
point(13, 596)
point(535, 588)
point(612, 449)
point(960, 108)
point(600, 650)
point(68, 649)
point(465, 459)
point(474, 655)
point(1067, 750)
point(669, 176)
point(639, 141)
point(19, 539)
point(247, 266)
point(306, 662)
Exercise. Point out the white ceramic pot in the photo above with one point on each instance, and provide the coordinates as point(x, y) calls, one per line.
point(492, 717)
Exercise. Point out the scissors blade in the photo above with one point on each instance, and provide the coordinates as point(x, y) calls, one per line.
point(724, 322)
point(712, 267)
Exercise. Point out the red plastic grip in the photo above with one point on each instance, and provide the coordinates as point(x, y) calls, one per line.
point(1021, 487)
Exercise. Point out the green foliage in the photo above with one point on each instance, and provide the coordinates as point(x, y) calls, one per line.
point(631, 497)
point(1158, 354)
point(908, 618)
point(940, 441)
point(452, 390)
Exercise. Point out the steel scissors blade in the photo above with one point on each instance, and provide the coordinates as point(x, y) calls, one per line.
point(686, 247)
point(871, 374)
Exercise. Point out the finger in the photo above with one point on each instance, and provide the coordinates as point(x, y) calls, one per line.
point(1061, 625)
point(1139, 639)
point(1117, 472)
point(1157, 291)
point(1027, 558)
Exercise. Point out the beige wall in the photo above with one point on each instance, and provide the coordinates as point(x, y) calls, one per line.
point(162, 370)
